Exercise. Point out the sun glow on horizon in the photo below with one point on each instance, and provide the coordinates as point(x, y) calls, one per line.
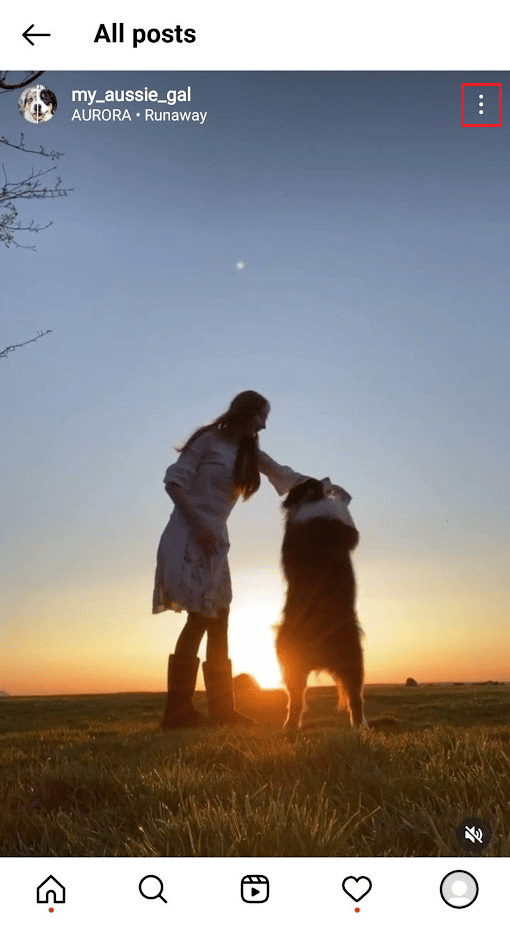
point(252, 643)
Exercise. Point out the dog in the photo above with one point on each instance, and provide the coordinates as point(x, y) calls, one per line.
point(37, 104)
point(319, 629)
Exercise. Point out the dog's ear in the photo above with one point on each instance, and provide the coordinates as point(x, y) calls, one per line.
point(49, 98)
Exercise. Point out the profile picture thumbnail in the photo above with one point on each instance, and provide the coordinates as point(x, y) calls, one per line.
point(37, 104)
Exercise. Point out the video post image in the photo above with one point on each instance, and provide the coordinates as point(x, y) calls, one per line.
point(254, 479)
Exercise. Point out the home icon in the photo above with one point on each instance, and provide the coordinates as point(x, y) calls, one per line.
point(51, 887)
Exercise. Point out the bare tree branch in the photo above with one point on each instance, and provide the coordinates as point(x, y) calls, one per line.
point(21, 145)
point(30, 77)
point(30, 187)
point(41, 333)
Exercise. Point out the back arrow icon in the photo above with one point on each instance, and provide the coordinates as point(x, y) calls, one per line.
point(34, 34)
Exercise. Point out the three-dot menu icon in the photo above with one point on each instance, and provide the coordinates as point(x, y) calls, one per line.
point(481, 104)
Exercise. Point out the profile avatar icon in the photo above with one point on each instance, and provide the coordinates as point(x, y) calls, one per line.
point(37, 104)
point(459, 889)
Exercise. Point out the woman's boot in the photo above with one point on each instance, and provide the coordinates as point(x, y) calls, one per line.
point(182, 677)
point(220, 695)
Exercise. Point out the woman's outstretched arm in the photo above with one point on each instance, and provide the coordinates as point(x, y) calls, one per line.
point(283, 478)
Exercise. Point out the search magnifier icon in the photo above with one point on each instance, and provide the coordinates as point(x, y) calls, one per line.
point(151, 888)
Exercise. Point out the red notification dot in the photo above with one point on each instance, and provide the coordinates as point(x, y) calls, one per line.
point(51, 910)
point(356, 910)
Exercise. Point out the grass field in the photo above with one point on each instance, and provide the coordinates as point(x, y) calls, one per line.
point(92, 776)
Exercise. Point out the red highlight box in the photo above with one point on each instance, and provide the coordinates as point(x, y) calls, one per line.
point(479, 84)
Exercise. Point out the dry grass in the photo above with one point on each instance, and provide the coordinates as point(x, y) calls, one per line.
point(92, 776)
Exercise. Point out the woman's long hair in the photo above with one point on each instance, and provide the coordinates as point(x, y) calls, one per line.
point(236, 419)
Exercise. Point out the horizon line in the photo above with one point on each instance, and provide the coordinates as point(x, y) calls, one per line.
point(425, 683)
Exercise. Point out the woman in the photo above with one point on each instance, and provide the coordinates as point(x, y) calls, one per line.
point(219, 462)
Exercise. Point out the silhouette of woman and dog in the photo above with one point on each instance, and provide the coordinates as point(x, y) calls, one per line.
point(220, 462)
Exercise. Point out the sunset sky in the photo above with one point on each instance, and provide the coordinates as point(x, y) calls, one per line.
point(336, 241)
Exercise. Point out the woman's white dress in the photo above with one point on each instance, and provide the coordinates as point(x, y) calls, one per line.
point(186, 577)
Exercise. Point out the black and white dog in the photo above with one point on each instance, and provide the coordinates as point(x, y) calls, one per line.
point(37, 104)
point(319, 630)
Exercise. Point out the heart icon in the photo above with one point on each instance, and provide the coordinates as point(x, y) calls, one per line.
point(357, 887)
